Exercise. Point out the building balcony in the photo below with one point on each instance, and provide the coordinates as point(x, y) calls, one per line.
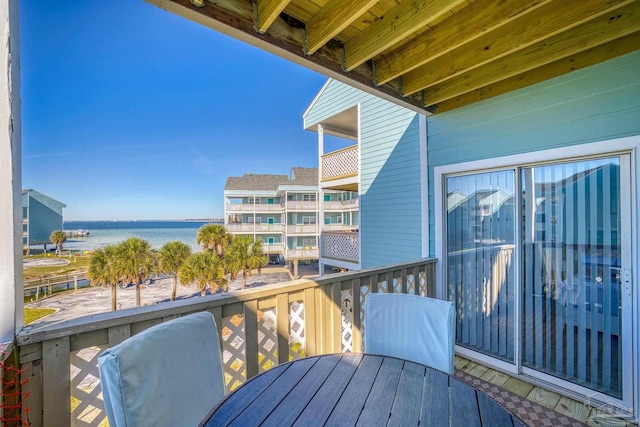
point(341, 245)
point(59, 361)
point(339, 227)
point(342, 205)
point(300, 205)
point(302, 253)
point(302, 229)
point(234, 207)
point(339, 169)
point(255, 228)
point(259, 329)
point(274, 248)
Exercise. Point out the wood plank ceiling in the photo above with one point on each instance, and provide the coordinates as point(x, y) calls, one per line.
point(429, 55)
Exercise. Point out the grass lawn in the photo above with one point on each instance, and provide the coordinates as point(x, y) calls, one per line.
point(33, 314)
point(81, 262)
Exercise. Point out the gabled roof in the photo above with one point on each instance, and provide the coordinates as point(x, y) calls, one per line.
point(303, 176)
point(49, 202)
point(255, 182)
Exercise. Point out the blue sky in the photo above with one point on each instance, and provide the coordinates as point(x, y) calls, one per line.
point(131, 112)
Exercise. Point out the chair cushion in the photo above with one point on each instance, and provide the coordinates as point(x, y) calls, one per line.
point(168, 375)
point(411, 327)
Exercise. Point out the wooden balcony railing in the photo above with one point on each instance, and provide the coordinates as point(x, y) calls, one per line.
point(340, 164)
point(258, 328)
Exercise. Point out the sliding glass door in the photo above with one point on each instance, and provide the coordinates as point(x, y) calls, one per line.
point(480, 269)
point(572, 305)
point(534, 261)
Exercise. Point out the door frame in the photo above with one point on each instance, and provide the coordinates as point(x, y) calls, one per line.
point(631, 345)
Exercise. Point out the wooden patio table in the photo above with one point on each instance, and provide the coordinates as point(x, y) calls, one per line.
point(357, 389)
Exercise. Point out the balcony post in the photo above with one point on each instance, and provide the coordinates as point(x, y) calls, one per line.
point(11, 301)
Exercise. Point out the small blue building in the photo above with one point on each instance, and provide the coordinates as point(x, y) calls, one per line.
point(41, 215)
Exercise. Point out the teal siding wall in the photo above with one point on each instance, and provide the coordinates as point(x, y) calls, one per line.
point(42, 222)
point(336, 97)
point(390, 188)
point(390, 204)
point(595, 104)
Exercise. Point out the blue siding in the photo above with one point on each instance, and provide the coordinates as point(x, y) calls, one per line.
point(595, 104)
point(42, 222)
point(390, 188)
point(335, 98)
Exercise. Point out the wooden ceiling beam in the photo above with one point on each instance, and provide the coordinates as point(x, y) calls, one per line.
point(334, 17)
point(584, 59)
point(546, 21)
point(267, 12)
point(479, 18)
point(235, 19)
point(400, 22)
point(603, 29)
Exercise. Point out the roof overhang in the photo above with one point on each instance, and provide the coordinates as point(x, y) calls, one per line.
point(429, 56)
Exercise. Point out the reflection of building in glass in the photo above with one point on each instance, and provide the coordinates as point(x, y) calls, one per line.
point(486, 216)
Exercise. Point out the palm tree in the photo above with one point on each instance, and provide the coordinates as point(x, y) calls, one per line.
point(205, 269)
point(135, 262)
point(244, 255)
point(102, 271)
point(171, 257)
point(58, 237)
point(213, 237)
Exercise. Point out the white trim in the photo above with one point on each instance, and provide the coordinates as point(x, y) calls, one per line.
point(628, 148)
point(424, 184)
point(359, 181)
point(317, 97)
point(11, 239)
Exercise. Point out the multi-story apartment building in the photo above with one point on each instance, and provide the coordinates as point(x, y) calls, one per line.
point(286, 212)
point(41, 215)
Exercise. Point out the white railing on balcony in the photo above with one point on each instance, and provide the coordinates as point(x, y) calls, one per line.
point(338, 205)
point(342, 245)
point(258, 328)
point(235, 207)
point(302, 253)
point(339, 227)
point(340, 164)
point(268, 208)
point(269, 228)
point(302, 205)
point(302, 229)
point(273, 248)
point(255, 228)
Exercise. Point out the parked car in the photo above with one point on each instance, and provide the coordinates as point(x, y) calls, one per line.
point(123, 285)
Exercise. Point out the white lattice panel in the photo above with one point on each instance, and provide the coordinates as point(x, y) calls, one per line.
point(87, 407)
point(422, 278)
point(382, 285)
point(233, 355)
point(340, 164)
point(267, 339)
point(341, 245)
point(364, 291)
point(346, 308)
point(411, 284)
point(397, 285)
point(297, 348)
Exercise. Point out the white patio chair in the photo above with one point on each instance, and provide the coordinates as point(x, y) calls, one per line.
point(168, 375)
point(411, 327)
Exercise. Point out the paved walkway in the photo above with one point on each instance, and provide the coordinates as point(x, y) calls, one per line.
point(92, 300)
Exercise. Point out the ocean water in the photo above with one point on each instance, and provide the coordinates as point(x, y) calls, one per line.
point(157, 233)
